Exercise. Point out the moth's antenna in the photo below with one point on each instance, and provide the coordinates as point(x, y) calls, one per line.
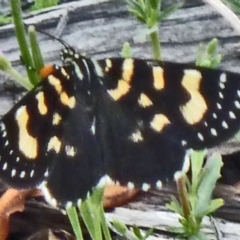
point(61, 24)
point(55, 38)
point(59, 29)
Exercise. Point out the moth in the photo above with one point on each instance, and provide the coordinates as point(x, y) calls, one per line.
point(130, 121)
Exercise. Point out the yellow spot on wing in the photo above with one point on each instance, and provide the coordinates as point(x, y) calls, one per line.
point(144, 100)
point(64, 98)
point(158, 78)
point(108, 64)
point(55, 82)
point(27, 144)
point(64, 73)
point(56, 119)
point(122, 88)
point(68, 101)
point(159, 122)
point(127, 69)
point(54, 144)
point(42, 108)
point(194, 110)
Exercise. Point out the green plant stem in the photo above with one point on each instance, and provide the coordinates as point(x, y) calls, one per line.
point(23, 81)
point(22, 41)
point(35, 49)
point(73, 217)
point(105, 228)
point(88, 213)
point(156, 45)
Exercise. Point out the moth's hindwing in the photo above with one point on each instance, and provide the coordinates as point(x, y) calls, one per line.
point(79, 166)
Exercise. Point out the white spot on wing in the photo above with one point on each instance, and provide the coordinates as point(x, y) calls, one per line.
point(22, 174)
point(104, 180)
point(52, 201)
point(238, 93)
point(5, 165)
point(79, 202)
point(31, 173)
point(93, 126)
point(221, 85)
point(213, 131)
point(186, 161)
point(232, 115)
point(184, 143)
point(2, 126)
point(13, 173)
point(68, 205)
point(146, 187)
point(200, 136)
point(224, 124)
point(70, 151)
point(237, 104)
point(6, 143)
point(159, 184)
point(219, 106)
point(130, 185)
point(136, 136)
point(220, 95)
point(223, 78)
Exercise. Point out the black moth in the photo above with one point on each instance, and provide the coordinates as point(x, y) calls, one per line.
point(130, 121)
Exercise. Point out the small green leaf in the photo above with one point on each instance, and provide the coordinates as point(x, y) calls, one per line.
point(177, 230)
point(197, 159)
point(126, 50)
point(175, 206)
point(5, 65)
point(5, 20)
point(208, 57)
point(238, 136)
point(211, 175)
point(119, 226)
point(214, 205)
point(233, 4)
point(168, 11)
point(41, 4)
point(74, 220)
point(137, 232)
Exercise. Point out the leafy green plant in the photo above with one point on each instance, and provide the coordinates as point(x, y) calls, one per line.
point(208, 56)
point(41, 4)
point(233, 4)
point(28, 58)
point(126, 51)
point(5, 20)
point(133, 233)
point(149, 13)
point(195, 195)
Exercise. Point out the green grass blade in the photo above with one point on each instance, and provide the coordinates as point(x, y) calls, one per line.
point(74, 220)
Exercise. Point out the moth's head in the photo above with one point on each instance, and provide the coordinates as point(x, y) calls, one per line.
point(69, 54)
